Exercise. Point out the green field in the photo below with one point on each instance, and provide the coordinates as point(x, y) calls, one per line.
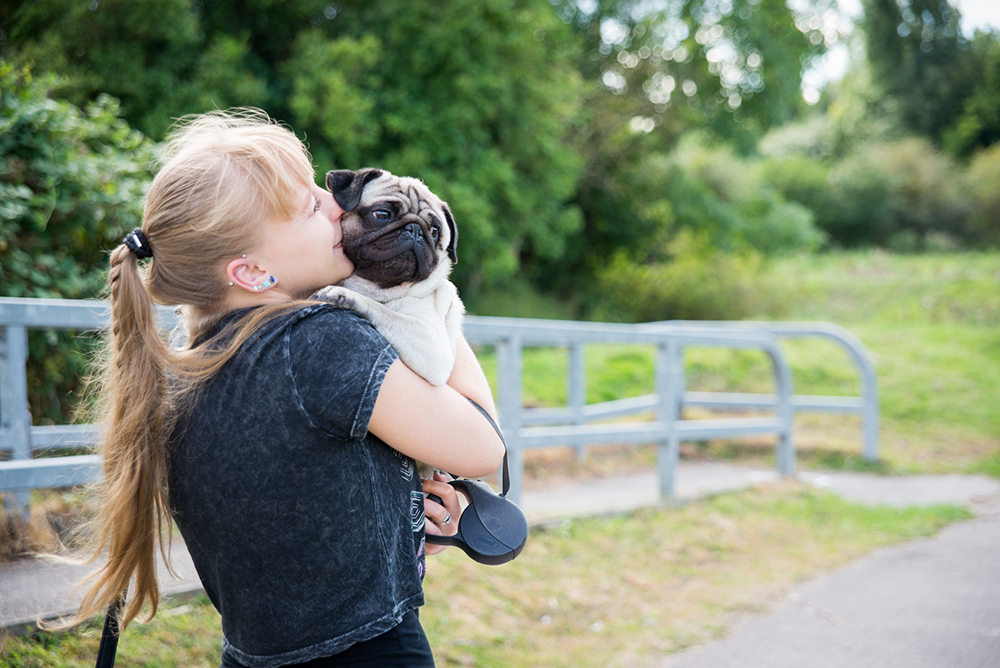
point(929, 322)
point(622, 591)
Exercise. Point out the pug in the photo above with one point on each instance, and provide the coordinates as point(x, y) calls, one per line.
point(401, 239)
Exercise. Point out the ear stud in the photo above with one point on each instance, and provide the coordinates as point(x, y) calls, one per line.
point(266, 284)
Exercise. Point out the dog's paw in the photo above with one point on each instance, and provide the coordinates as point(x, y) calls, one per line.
point(338, 296)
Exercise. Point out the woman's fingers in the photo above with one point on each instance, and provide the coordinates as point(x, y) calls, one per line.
point(443, 514)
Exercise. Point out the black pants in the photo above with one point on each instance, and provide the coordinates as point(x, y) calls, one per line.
point(405, 646)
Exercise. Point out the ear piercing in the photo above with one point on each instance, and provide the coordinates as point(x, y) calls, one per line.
point(271, 280)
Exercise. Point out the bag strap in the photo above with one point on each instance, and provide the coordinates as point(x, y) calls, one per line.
point(109, 636)
point(505, 477)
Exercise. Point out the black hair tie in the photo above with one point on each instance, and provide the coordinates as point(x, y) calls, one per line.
point(137, 243)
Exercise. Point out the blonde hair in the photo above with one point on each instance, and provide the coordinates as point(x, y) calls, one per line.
point(223, 176)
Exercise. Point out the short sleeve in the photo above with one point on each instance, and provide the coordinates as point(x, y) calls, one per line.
point(337, 361)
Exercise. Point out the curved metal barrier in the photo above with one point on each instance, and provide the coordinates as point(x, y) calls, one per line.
point(866, 405)
point(577, 424)
point(667, 430)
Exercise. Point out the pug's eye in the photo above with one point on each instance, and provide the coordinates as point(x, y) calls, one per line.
point(435, 233)
point(381, 214)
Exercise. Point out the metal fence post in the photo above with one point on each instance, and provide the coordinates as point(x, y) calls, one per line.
point(668, 359)
point(785, 412)
point(576, 389)
point(509, 400)
point(15, 418)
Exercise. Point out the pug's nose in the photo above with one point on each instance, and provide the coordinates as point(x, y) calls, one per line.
point(415, 231)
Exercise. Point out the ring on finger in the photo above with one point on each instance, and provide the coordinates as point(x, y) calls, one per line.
point(447, 519)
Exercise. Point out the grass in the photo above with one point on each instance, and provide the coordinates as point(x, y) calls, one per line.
point(931, 324)
point(183, 634)
point(614, 591)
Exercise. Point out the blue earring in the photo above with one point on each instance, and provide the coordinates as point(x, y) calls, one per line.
point(266, 284)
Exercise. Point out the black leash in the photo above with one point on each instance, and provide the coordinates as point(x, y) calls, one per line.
point(109, 637)
point(505, 477)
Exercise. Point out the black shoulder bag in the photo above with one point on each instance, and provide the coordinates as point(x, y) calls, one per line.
point(492, 529)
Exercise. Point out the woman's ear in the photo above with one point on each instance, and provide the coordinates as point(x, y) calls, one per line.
point(243, 273)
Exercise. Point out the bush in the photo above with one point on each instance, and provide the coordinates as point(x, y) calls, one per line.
point(696, 282)
point(72, 184)
point(864, 205)
point(983, 178)
point(717, 194)
point(904, 194)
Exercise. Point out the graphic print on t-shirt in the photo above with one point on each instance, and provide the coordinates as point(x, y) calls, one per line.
point(417, 521)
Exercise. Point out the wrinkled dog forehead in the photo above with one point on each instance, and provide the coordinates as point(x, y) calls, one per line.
point(366, 187)
point(411, 192)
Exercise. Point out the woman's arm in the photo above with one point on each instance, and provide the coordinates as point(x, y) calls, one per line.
point(437, 425)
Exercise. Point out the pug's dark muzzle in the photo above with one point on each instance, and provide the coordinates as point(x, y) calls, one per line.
point(401, 251)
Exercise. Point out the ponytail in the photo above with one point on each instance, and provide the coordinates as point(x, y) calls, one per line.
point(134, 507)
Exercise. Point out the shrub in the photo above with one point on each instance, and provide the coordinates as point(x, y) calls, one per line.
point(983, 178)
point(714, 192)
point(72, 183)
point(696, 282)
point(905, 194)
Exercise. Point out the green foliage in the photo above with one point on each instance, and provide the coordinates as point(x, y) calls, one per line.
point(697, 283)
point(978, 125)
point(71, 185)
point(152, 71)
point(479, 99)
point(904, 194)
point(983, 179)
point(330, 98)
point(918, 54)
point(720, 190)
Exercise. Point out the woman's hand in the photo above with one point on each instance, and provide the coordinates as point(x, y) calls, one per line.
point(442, 518)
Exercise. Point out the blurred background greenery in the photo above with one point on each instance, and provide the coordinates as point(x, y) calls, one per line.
point(605, 159)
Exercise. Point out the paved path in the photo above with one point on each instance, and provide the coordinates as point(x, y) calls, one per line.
point(30, 589)
point(932, 603)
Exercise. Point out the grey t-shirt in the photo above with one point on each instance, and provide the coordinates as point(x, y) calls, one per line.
point(306, 530)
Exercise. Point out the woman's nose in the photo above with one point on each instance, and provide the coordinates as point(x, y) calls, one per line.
point(333, 210)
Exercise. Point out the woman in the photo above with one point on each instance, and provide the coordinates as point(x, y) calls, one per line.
point(281, 439)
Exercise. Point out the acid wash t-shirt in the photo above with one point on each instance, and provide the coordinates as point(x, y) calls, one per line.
point(306, 530)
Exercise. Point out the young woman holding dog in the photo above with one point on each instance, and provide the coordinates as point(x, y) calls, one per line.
point(281, 437)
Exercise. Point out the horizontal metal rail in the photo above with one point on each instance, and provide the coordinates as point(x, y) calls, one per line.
point(866, 405)
point(511, 335)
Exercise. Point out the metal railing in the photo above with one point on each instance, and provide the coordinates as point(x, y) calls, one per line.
point(578, 424)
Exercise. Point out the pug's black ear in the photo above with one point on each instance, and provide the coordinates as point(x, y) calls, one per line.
point(453, 242)
point(347, 186)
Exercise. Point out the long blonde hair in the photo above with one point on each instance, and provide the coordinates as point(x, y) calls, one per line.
point(223, 175)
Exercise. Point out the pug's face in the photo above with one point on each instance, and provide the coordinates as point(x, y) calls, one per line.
point(396, 230)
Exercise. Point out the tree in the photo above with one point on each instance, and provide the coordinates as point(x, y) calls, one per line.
point(71, 185)
point(919, 56)
point(659, 70)
point(978, 124)
point(478, 98)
